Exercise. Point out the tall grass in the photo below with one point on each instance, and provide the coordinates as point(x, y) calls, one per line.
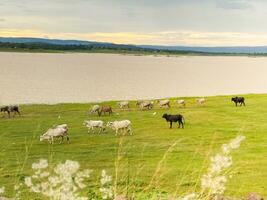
point(66, 181)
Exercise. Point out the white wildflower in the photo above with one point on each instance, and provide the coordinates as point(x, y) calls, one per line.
point(105, 178)
point(2, 190)
point(191, 196)
point(63, 183)
point(106, 188)
point(214, 181)
point(28, 181)
point(42, 164)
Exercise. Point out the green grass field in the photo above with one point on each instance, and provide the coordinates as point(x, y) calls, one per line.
point(140, 156)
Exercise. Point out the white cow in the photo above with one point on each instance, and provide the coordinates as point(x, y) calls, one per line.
point(180, 102)
point(91, 124)
point(123, 104)
point(124, 125)
point(200, 101)
point(145, 104)
point(65, 126)
point(56, 132)
point(163, 103)
point(94, 109)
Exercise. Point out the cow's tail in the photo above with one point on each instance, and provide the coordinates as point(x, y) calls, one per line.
point(183, 120)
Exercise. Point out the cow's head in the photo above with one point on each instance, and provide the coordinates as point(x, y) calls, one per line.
point(109, 124)
point(165, 116)
point(85, 123)
point(43, 137)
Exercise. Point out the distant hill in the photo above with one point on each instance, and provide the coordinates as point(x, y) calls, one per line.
point(40, 43)
point(234, 49)
point(48, 41)
point(63, 42)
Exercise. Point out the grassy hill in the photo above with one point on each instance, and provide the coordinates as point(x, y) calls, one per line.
point(175, 158)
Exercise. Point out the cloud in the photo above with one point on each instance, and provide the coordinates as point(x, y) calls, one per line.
point(234, 4)
point(2, 20)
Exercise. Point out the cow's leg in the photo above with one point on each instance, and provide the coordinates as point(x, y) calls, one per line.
point(235, 103)
point(171, 124)
point(8, 112)
point(130, 130)
point(182, 124)
point(244, 103)
point(68, 139)
point(60, 142)
point(179, 124)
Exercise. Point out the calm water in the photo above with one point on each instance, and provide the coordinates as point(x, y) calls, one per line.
point(53, 78)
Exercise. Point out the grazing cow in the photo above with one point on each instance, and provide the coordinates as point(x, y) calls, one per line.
point(94, 109)
point(145, 105)
point(91, 124)
point(65, 126)
point(10, 109)
point(174, 118)
point(56, 132)
point(180, 102)
point(105, 109)
point(138, 103)
point(163, 103)
point(124, 104)
point(200, 101)
point(124, 125)
point(238, 100)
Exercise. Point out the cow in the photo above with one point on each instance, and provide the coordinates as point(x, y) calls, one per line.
point(123, 125)
point(145, 105)
point(163, 103)
point(200, 101)
point(55, 132)
point(174, 118)
point(91, 124)
point(180, 102)
point(105, 109)
point(239, 100)
point(124, 104)
point(10, 109)
point(94, 109)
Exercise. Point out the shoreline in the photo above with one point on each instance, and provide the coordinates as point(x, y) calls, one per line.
point(133, 100)
point(133, 53)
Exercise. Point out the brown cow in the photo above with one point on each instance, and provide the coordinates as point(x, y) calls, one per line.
point(105, 109)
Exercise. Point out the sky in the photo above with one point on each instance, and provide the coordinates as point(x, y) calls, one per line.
point(152, 22)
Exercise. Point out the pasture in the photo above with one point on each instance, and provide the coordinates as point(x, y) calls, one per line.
point(155, 159)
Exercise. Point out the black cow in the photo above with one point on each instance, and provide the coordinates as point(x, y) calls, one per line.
point(10, 109)
point(174, 118)
point(238, 100)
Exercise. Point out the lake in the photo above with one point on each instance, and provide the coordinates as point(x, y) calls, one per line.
point(84, 77)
